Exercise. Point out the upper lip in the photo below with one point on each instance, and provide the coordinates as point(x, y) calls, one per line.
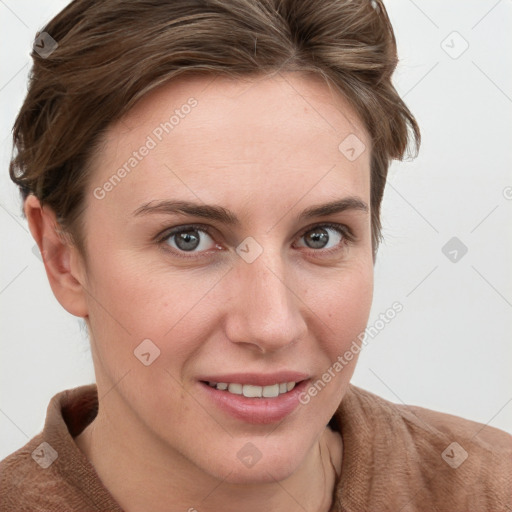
point(256, 379)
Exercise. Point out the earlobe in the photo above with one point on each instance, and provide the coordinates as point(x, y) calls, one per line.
point(62, 262)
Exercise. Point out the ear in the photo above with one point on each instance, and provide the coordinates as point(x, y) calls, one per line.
point(62, 261)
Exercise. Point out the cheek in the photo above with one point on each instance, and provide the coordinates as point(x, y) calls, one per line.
point(130, 302)
point(130, 289)
point(343, 302)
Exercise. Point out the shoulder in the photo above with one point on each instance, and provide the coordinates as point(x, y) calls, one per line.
point(27, 481)
point(50, 473)
point(435, 428)
point(453, 463)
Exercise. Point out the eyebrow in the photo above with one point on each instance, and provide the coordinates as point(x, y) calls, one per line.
point(225, 216)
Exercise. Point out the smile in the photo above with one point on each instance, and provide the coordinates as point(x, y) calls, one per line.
point(252, 391)
point(262, 399)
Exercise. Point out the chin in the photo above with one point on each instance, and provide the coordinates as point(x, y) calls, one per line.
point(251, 465)
point(260, 474)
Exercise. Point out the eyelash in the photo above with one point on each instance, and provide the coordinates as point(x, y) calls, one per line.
point(347, 237)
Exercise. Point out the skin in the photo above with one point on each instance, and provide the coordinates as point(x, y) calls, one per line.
point(265, 148)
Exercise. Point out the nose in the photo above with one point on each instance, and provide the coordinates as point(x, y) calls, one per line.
point(265, 310)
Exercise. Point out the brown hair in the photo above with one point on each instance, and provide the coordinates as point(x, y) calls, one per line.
point(112, 52)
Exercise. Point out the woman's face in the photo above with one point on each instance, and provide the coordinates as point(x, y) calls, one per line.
point(257, 291)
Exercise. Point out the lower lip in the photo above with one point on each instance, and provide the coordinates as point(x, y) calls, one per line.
point(256, 410)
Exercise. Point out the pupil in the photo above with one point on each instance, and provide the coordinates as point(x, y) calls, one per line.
point(318, 238)
point(186, 241)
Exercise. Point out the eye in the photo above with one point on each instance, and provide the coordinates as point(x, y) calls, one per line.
point(188, 239)
point(196, 239)
point(326, 236)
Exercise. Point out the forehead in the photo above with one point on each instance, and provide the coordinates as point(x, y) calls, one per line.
point(205, 134)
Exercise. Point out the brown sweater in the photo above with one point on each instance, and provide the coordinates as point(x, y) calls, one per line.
point(395, 458)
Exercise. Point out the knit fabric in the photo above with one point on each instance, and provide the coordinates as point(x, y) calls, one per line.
point(395, 458)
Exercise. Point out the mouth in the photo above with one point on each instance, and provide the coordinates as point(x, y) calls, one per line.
point(254, 398)
point(254, 391)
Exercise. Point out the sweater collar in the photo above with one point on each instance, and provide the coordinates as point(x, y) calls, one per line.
point(70, 411)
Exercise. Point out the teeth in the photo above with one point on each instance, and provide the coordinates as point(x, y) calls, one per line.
point(270, 391)
point(250, 391)
point(235, 388)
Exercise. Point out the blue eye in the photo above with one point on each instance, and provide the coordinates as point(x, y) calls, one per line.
point(191, 240)
point(188, 239)
point(319, 237)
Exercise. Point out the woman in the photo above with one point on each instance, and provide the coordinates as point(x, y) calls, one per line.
point(204, 180)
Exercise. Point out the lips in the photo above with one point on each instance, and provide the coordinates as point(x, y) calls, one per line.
point(256, 379)
point(255, 398)
point(252, 391)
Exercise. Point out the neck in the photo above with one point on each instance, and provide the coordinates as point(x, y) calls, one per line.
point(142, 474)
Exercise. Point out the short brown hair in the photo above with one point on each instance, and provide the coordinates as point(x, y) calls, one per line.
point(112, 52)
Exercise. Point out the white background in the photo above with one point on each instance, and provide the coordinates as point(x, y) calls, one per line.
point(450, 348)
